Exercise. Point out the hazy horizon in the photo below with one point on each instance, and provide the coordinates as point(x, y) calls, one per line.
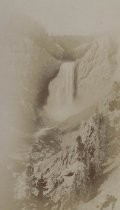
point(80, 17)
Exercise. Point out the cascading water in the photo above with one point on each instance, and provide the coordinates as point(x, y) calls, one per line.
point(61, 91)
point(66, 78)
point(79, 85)
point(69, 81)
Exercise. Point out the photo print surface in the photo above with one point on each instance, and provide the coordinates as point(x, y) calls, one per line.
point(59, 105)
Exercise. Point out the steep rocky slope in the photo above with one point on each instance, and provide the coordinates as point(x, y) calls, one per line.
point(107, 196)
point(77, 168)
point(66, 168)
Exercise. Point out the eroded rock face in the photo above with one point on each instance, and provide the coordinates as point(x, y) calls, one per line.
point(108, 196)
point(65, 169)
point(69, 172)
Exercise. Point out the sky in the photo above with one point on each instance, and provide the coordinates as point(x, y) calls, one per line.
point(69, 16)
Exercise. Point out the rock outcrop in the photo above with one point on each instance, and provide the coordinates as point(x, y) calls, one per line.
point(63, 169)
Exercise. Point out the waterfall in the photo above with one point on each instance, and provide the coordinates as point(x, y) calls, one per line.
point(81, 84)
point(62, 90)
point(67, 71)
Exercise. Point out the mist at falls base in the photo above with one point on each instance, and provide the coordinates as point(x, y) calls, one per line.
point(61, 97)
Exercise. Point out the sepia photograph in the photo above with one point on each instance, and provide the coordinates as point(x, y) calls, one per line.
point(59, 105)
